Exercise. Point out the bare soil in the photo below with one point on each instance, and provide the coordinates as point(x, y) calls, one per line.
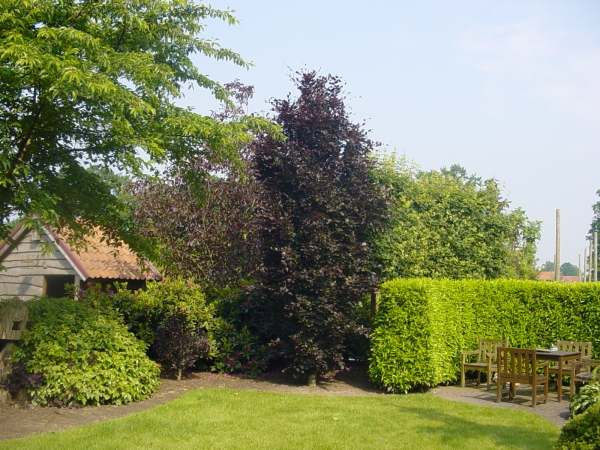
point(22, 420)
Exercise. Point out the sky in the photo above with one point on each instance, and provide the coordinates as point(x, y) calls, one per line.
point(508, 90)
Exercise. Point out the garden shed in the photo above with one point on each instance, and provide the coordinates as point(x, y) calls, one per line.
point(27, 271)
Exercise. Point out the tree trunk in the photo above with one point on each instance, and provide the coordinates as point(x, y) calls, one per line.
point(179, 374)
point(312, 379)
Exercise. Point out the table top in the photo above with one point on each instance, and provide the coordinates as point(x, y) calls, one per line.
point(547, 354)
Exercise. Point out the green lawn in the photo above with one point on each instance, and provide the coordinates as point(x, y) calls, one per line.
point(229, 419)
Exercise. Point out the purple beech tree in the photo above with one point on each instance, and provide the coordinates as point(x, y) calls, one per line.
point(318, 214)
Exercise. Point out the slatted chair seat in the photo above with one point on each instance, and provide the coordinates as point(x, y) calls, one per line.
point(486, 359)
point(519, 365)
point(583, 373)
point(585, 377)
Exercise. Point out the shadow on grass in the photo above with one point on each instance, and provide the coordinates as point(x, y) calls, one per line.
point(453, 430)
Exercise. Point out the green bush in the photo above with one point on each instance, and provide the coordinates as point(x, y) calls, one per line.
point(225, 320)
point(236, 347)
point(422, 324)
point(581, 432)
point(146, 310)
point(84, 356)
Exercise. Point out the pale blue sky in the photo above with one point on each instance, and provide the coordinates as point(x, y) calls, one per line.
point(509, 90)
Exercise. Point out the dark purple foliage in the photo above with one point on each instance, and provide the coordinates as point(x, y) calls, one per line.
point(178, 343)
point(206, 231)
point(19, 378)
point(319, 212)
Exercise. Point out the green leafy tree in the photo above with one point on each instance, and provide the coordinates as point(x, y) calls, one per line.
point(448, 224)
point(595, 225)
point(522, 245)
point(569, 270)
point(548, 266)
point(319, 212)
point(86, 83)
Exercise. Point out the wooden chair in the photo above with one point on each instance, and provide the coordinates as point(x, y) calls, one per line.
point(486, 359)
point(583, 373)
point(585, 348)
point(519, 365)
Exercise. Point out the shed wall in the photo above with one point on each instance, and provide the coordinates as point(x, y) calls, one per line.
point(25, 267)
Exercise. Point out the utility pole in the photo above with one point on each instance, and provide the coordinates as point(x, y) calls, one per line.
point(579, 268)
point(595, 256)
point(585, 264)
point(557, 257)
point(590, 262)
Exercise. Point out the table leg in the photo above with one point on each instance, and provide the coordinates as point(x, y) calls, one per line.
point(559, 380)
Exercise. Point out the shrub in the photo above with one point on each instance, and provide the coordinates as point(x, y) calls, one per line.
point(82, 356)
point(588, 396)
point(422, 324)
point(237, 347)
point(238, 351)
point(179, 344)
point(144, 311)
point(581, 432)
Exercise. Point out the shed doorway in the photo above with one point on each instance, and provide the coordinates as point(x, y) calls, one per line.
point(54, 285)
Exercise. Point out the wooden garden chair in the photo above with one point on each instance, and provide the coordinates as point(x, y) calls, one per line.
point(583, 373)
point(486, 359)
point(585, 348)
point(519, 365)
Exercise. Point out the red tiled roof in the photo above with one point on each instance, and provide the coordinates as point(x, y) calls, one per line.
point(571, 279)
point(99, 260)
point(546, 276)
point(103, 261)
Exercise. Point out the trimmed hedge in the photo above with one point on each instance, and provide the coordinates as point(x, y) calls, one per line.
point(422, 324)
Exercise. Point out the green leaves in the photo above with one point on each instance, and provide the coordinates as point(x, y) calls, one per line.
point(85, 83)
point(86, 356)
point(447, 224)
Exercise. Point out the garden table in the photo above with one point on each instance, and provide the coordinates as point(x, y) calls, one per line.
point(560, 357)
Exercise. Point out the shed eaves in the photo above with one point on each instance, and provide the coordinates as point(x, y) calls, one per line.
point(100, 260)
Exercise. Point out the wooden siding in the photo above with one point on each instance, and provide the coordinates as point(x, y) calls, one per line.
point(25, 267)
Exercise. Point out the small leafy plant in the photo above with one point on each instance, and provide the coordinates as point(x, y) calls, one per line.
point(237, 347)
point(588, 395)
point(238, 351)
point(179, 343)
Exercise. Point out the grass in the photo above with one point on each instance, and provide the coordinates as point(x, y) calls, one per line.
point(228, 419)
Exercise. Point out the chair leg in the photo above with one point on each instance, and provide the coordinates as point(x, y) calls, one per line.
point(498, 391)
point(462, 376)
point(571, 387)
point(533, 392)
point(546, 391)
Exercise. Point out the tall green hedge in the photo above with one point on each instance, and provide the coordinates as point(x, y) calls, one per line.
point(422, 324)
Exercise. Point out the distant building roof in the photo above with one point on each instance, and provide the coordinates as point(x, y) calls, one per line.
point(549, 276)
point(99, 260)
point(546, 276)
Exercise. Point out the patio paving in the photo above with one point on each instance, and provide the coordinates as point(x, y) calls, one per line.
point(553, 411)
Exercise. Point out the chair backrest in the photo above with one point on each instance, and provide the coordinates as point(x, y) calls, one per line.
point(516, 364)
point(488, 346)
point(585, 348)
